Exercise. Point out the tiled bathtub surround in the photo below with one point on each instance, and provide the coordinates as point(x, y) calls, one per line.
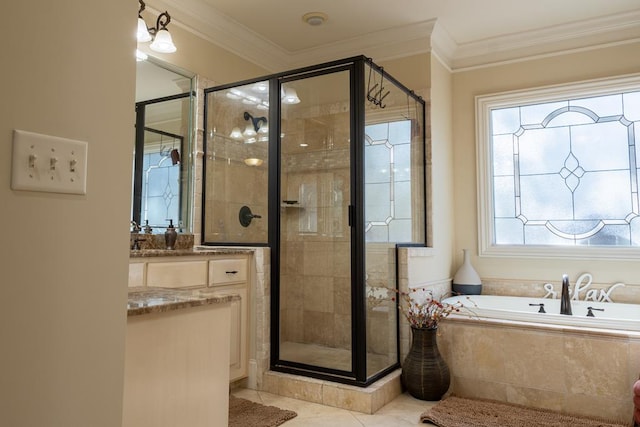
point(580, 371)
point(584, 372)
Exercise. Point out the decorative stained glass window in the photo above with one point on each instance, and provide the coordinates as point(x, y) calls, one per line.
point(387, 180)
point(161, 182)
point(562, 171)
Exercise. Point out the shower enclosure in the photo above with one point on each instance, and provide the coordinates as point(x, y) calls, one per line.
point(326, 166)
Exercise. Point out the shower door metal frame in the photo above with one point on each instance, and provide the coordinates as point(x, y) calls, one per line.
point(356, 66)
point(357, 374)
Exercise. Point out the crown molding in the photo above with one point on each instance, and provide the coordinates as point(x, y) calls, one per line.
point(588, 34)
point(205, 21)
point(385, 44)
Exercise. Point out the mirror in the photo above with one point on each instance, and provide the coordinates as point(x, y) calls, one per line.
point(162, 178)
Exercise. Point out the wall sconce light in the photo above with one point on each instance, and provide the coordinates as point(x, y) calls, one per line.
point(249, 131)
point(236, 133)
point(257, 123)
point(290, 96)
point(162, 41)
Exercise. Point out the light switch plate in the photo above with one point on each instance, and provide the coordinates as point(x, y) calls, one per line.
point(48, 163)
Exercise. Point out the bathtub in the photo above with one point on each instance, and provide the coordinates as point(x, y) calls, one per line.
point(614, 316)
point(500, 348)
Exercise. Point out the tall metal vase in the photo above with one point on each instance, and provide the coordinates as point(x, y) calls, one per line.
point(425, 373)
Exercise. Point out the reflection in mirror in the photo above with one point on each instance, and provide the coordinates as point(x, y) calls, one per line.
point(163, 154)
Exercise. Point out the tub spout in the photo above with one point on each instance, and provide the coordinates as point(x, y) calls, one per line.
point(565, 302)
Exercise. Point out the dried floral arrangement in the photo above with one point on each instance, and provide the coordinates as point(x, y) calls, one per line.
point(423, 310)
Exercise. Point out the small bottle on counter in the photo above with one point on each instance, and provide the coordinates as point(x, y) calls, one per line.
point(170, 236)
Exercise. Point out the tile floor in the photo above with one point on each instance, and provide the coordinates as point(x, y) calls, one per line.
point(404, 411)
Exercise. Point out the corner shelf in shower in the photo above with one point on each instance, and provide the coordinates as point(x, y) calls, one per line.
point(291, 204)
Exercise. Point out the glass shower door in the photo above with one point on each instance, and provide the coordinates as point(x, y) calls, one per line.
point(315, 234)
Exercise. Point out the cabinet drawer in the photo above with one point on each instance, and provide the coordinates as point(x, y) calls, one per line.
point(177, 274)
point(224, 271)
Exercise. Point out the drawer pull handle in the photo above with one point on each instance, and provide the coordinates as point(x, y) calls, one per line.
point(232, 272)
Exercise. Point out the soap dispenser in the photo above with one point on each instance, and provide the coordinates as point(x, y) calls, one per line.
point(170, 236)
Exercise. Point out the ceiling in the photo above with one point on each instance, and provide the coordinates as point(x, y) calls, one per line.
point(463, 33)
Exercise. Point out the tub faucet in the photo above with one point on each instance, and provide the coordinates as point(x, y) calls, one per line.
point(565, 302)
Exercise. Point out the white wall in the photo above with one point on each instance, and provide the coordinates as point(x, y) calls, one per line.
point(442, 171)
point(67, 70)
point(600, 63)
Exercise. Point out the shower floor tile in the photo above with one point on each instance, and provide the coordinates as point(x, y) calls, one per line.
point(404, 411)
point(329, 357)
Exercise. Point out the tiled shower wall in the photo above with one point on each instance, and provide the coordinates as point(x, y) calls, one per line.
point(315, 236)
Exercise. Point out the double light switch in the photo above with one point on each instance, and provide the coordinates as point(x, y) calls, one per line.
point(48, 163)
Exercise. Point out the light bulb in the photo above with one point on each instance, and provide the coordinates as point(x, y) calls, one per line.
point(143, 33)
point(163, 43)
point(236, 133)
point(290, 96)
point(249, 131)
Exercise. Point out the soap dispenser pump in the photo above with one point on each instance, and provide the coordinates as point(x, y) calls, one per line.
point(170, 236)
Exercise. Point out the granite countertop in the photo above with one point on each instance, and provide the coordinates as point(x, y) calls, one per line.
point(197, 251)
point(145, 300)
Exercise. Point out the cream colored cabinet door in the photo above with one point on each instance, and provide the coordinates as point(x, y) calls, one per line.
point(239, 349)
point(230, 276)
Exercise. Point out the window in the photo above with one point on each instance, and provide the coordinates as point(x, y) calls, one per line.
point(387, 179)
point(559, 170)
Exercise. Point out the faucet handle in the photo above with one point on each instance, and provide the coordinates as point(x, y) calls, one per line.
point(590, 311)
point(541, 305)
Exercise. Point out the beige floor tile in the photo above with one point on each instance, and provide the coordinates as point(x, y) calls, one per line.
point(404, 411)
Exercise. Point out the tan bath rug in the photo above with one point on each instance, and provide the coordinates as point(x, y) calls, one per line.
point(460, 412)
point(245, 413)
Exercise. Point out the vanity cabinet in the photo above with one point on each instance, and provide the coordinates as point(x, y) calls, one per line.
point(174, 349)
point(229, 277)
point(217, 274)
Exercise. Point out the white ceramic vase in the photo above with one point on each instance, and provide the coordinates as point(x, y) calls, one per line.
point(466, 280)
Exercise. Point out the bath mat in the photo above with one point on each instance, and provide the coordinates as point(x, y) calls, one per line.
point(245, 413)
point(459, 412)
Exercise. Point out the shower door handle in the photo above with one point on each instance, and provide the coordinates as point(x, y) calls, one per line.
point(350, 214)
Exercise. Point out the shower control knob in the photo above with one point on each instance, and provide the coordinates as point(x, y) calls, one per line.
point(245, 216)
